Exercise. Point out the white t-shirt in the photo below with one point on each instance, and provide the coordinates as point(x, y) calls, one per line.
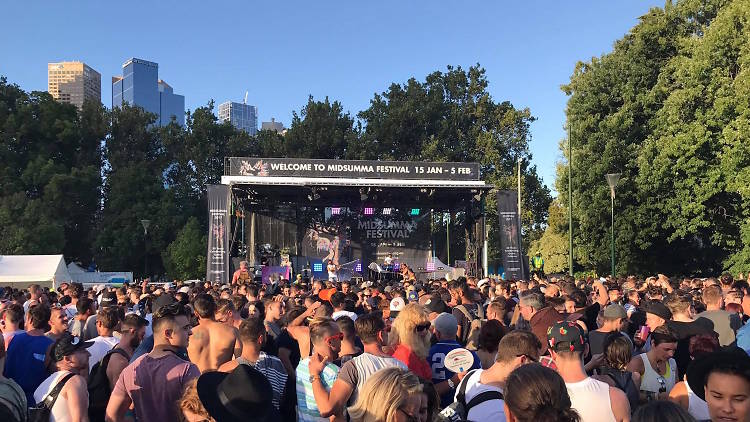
point(101, 346)
point(491, 410)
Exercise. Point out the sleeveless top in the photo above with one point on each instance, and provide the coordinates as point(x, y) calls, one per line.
point(653, 381)
point(697, 407)
point(590, 398)
point(60, 412)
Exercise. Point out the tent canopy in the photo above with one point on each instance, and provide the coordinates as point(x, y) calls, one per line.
point(24, 270)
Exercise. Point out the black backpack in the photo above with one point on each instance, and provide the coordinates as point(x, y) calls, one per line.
point(458, 411)
point(41, 412)
point(99, 390)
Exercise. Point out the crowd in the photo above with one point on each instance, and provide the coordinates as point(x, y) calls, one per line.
point(545, 350)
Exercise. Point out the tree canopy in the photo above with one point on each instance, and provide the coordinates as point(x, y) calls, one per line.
point(668, 108)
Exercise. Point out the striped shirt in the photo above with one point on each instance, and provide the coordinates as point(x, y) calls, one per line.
point(307, 409)
point(274, 370)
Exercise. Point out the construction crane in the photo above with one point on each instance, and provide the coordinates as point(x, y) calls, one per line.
point(245, 102)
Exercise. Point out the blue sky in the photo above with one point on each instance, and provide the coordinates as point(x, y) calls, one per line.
point(281, 52)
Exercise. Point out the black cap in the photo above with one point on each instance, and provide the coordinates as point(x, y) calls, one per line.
point(235, 395)
point(108, 299)
point(435, 304)
point(66, 345)
point(658, 309)
point(161, 301)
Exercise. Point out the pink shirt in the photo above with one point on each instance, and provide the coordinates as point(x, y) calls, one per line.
point(155, 385)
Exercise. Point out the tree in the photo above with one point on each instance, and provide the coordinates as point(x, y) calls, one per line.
point(321, 130)
point(662, 109)
point(185, 257)
point(452, 117)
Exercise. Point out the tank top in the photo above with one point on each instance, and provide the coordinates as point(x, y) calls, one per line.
point(650, 379)
point(60, 412)
point(590, 398)
point(697, 407)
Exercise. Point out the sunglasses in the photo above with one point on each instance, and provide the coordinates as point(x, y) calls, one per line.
point(423, 326)
point(339, 337)
point(530, 358)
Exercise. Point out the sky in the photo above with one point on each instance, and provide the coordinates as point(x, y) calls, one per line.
point(281, 52)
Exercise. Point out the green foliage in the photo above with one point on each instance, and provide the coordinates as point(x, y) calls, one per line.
point(669, 109)
point(82, 181)
point(553, 244)
point(185, 257)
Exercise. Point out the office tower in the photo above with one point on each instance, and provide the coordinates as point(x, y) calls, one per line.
point(73, 82)
point(273, 125)
point(140, 86)
point(240, 115)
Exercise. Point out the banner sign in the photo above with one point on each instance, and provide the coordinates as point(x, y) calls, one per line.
point(217, 264)
point(510, 235)
point(355, 169)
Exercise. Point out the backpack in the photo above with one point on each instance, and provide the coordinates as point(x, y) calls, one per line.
point(42, 411)
point(99, 390)
point(624, 381)
point(458, 411)
point(472, 339)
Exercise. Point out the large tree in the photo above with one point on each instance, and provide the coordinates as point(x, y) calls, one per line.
point(666, 109)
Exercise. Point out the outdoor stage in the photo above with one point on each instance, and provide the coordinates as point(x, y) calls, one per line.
point(270, 211)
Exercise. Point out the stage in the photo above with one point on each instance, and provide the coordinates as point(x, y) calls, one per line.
point(303, 213)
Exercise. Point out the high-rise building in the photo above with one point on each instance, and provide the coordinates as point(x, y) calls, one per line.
point(240, 115)
point(73, 82)
point(273, 125)
point(140, 86)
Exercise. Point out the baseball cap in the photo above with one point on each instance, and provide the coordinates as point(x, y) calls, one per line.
point(658, 309)
point(184, 289)
point(397, 304)
point(566, 335)
point(446, 324)
point(108, 299)
point(66, 345)
point(614, 311)
point(435, 304)
point(483, 282)
point(326, 294)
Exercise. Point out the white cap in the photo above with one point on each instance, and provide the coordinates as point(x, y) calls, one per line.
point(483, 282)
point(397, 304)
point(184, 289)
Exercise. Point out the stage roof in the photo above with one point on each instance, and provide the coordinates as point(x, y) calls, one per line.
point(359, 182)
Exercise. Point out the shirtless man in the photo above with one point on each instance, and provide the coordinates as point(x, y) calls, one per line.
point(212, 343)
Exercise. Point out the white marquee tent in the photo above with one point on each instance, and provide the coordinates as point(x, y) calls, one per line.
point(24, 270)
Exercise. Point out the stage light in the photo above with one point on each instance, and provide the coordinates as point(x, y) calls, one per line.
point(368, 211)
point(386, 211)
point(318, 267)
point(335, 210)
point(358, 268)
point(415, 211)
point(430, 266)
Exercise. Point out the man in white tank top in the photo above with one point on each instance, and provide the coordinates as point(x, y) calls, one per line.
point(594, 400)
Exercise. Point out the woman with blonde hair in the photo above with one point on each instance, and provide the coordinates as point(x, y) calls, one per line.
point(390, 395)
point(410, 336)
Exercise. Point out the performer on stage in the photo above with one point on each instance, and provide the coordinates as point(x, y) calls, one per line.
point(332, 268)
point(388, 262)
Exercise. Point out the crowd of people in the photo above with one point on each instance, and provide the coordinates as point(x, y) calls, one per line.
point(545, 350)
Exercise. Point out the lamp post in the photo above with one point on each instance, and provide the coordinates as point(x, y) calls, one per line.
point(146, 224)
point(612, 179)
point(570, 201)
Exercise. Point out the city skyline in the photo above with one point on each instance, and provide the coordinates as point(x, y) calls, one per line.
point(73, 82)
point(141, 86)
point(347, 52)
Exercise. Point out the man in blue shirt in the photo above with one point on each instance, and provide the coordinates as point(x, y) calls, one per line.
point(24, 362)
point(445, 380)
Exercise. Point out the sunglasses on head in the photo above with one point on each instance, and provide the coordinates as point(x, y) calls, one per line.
point(423, 326)
point(339, 337)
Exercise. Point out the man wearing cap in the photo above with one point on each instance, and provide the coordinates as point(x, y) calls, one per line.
point(614, 320)
point(70, 361)
point(595, 401)
point(445, 380)
point(656, 315)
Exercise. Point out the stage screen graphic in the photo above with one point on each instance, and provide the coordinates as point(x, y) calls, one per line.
point(351, 238)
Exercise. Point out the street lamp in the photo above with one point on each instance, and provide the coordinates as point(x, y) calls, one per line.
point(612, 179)
point(146, 224)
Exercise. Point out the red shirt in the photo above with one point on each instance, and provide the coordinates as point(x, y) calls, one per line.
point(415, 364)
